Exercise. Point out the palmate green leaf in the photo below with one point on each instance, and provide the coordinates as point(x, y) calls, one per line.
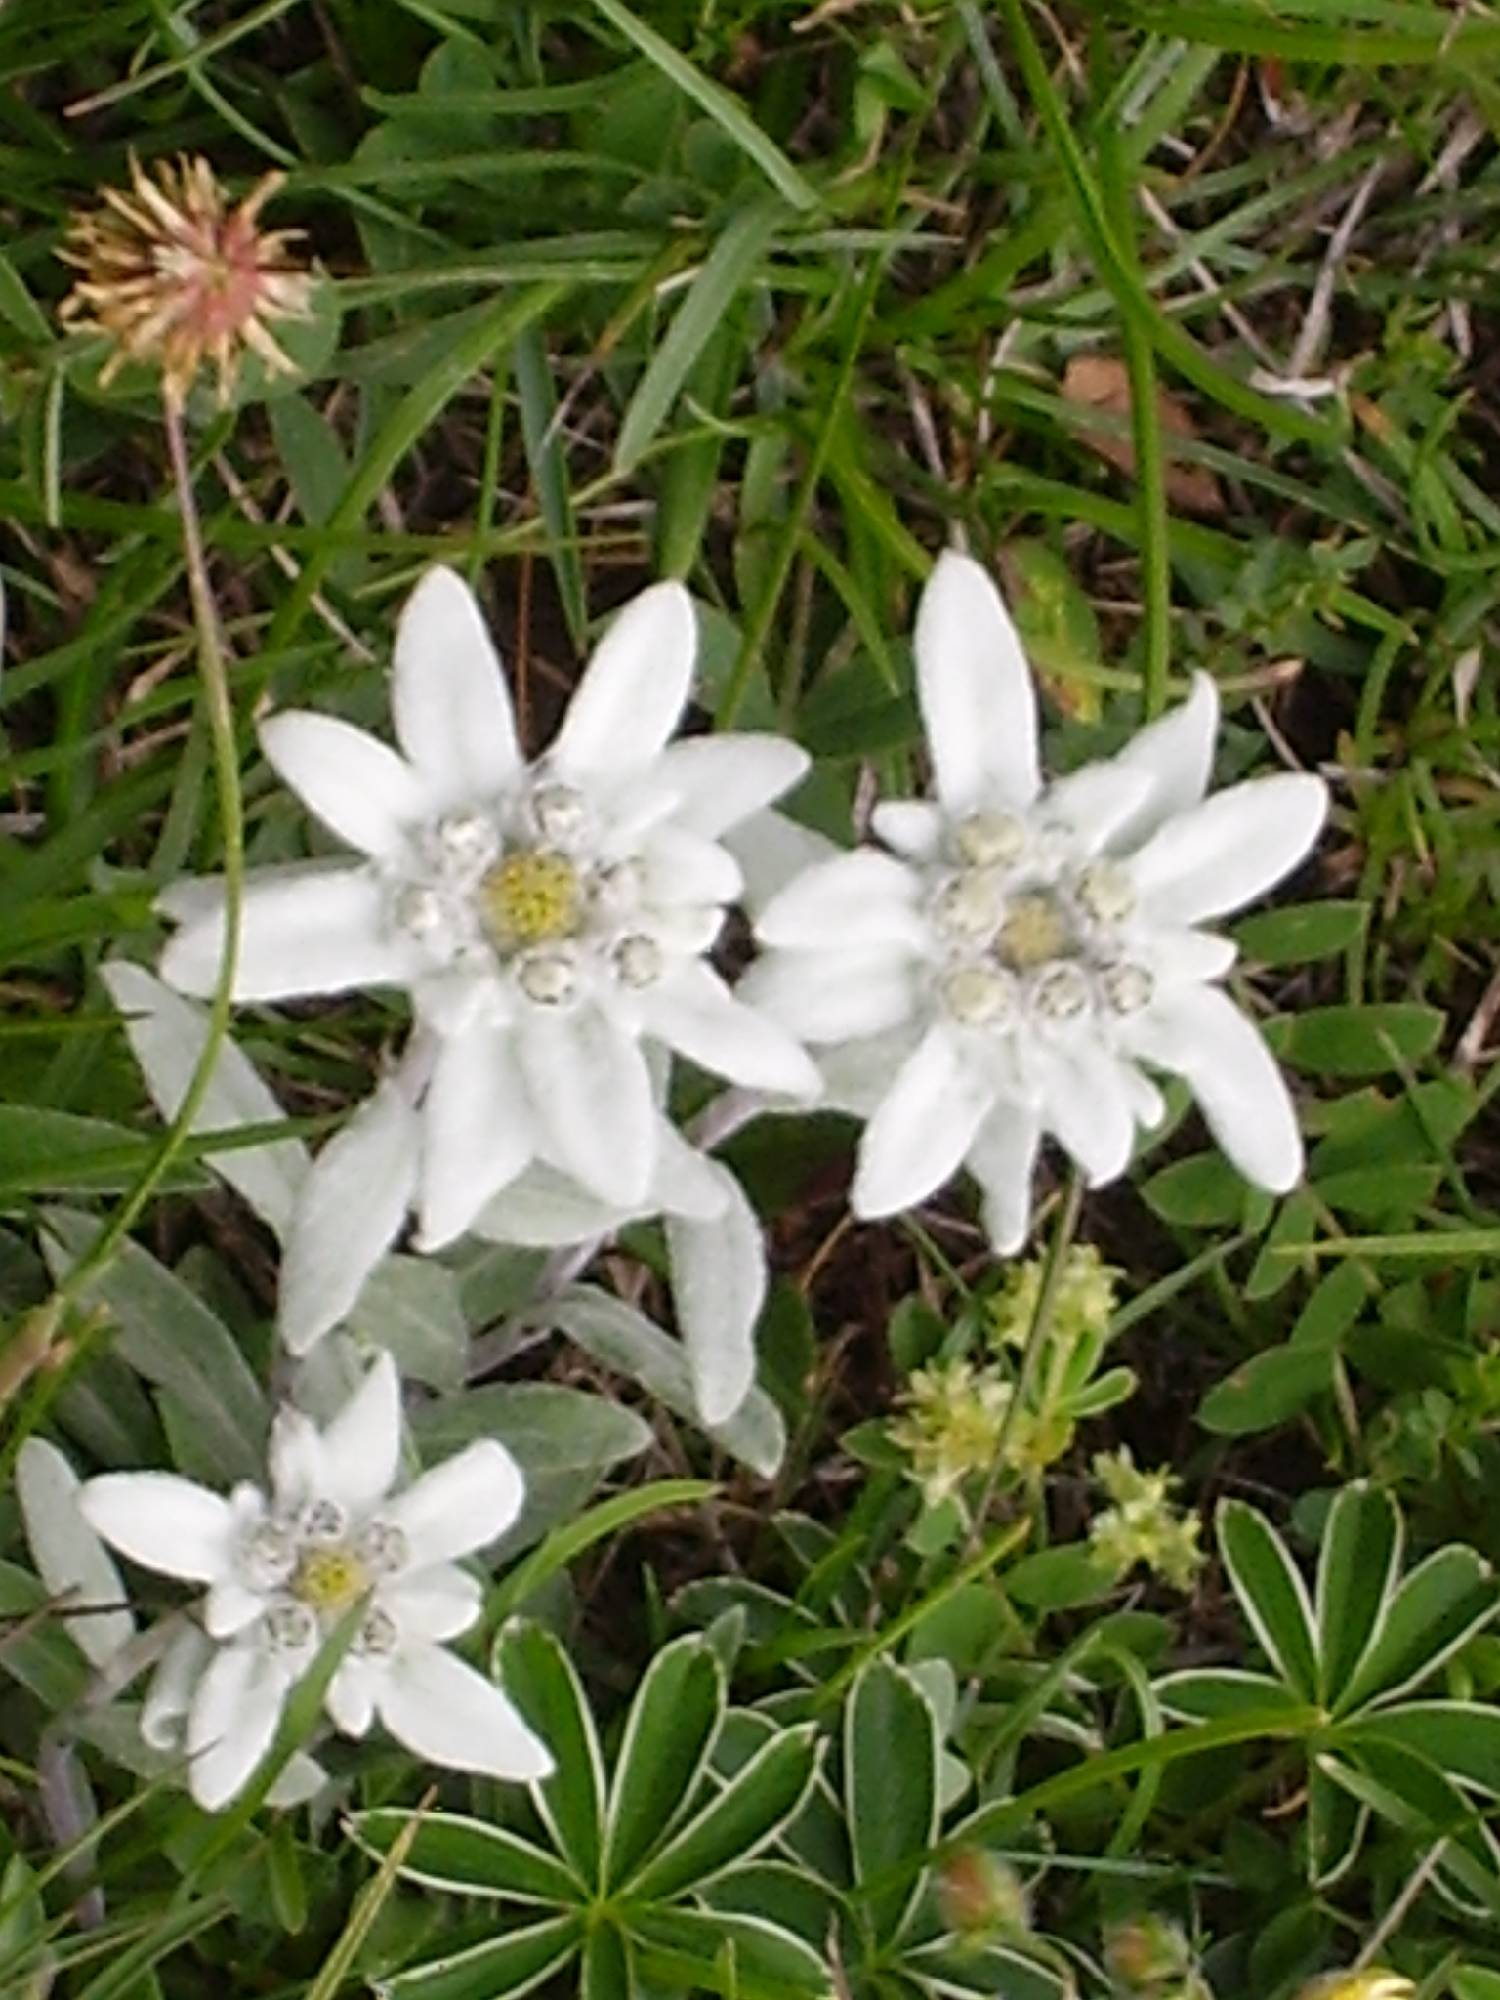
point(1335, 1827)
point(1409, 1792)
point(668, 1736)
point(169, 1336)
point(1438, 1607)
point(1461, 1737)
point(781, 1894)
point(736, 1956)
point(984, 1971)
point(512, 1963)
point(469, 1857)
point(746, 1816)
point(535, 1671)
point(1271, 1592)
point(1358, 1565)
point(1206, 1694)
point(890, 1789)
point(606, 1972)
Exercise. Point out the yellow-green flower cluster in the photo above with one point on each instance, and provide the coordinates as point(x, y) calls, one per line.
point(951, 1424)
point(1142, 1525)
point(1083, 1303)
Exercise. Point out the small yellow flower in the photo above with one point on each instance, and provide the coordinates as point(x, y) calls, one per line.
point(173, 274)
point(1375, 1982)
point(951, 1425)
point(1083, 1303)
point(1143, 1525)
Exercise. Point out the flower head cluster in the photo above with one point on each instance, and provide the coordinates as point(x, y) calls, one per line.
point(283, 1567)
point(1082, 1306)
point(551, 920)
point(1022, 953)
point(1142, 1525)
point(951, 1425)
point(1149, 1958)
point(174, 274)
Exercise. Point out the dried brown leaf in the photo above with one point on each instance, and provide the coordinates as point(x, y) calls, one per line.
point(1102, 382)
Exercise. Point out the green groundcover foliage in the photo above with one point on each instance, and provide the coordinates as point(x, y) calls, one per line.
point(749, 1000)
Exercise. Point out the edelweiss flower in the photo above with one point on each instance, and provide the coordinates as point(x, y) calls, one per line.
point(1009, 967)
point(547, 918)
point(174, 274)
point(284, 1567)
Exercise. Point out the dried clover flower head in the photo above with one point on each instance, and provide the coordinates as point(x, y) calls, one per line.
point(175, 275)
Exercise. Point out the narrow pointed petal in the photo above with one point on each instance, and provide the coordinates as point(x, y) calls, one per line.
point(478, 1131)
point(436, 1603)
point(350, 1213)
point(448, 694)
point(166, 1035)
point(350, 1700)
point(975, 690)
point(635, 687)
point(459, 1505)
point(1230, 849)
point(862, 898)
point(688, 1183)
point(1089, 1110)
point(771, 849)
point(682, 867)
point(591, 1090)
point(357, 785)
point(1002, 1158)
point(70, 1557)
point(361, 1447)
point(1177, 755)
point(295, 1458)
point(236, 1707)
point(1184, 957)
point(721, 780)
point(162, 1521)
point(912, 828)
point(1094, 802)
point(1200, 1035)
point(834, 996)
point(694, 1012)
point(169, 1694)
point(544, 1210)
point(229, 1607)
point(719, 1287)
point(920, 1131)
point(447, 1714)
point(304, 931)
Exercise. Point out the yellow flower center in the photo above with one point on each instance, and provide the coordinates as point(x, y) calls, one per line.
point(329, 1580)
point(1033, 932)
point(531, 898)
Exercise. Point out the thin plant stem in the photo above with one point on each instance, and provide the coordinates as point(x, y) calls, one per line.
point(1036, 1341)
point(219, 710)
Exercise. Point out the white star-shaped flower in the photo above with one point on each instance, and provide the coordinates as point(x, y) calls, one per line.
point(551, 920)
point(282, 1569)
point(1025, 951)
